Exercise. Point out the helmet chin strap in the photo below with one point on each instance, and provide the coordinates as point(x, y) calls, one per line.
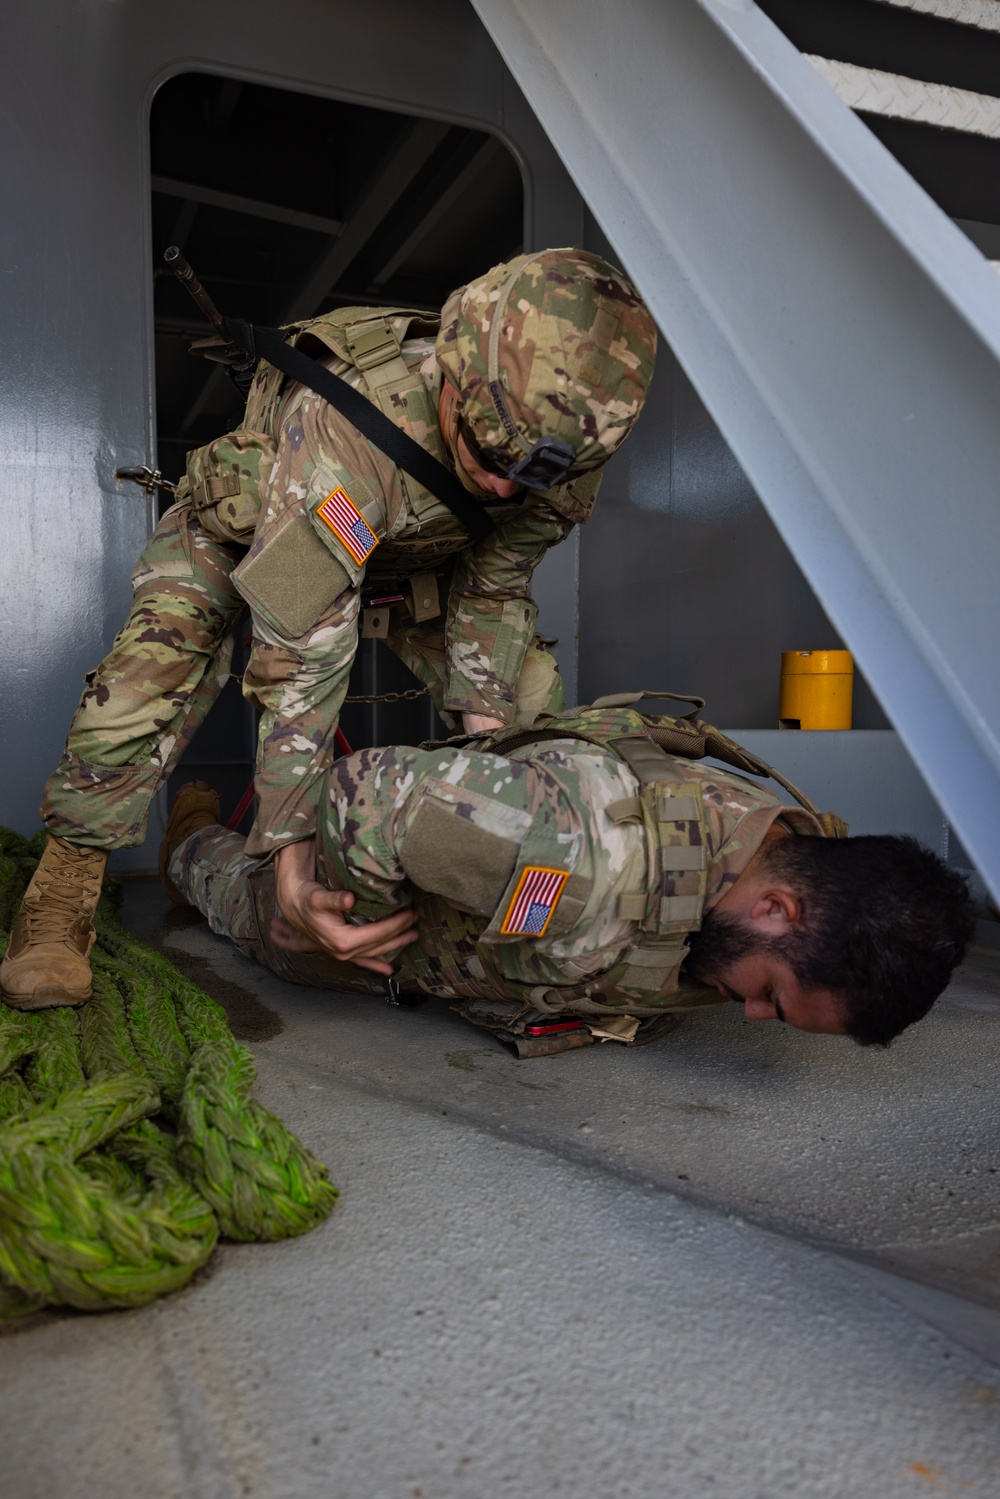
point(449, 409)
point(544, 462)
point(448, 414)
point(508, 423)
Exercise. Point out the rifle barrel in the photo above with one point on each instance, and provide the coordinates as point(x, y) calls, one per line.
point(186, 276)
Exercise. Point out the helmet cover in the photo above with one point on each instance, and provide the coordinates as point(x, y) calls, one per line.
point(556, 345)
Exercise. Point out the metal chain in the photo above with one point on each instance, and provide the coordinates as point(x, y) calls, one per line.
point(408, 696)
point(389, 697)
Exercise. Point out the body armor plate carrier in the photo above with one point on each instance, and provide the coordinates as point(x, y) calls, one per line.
point(639, 998)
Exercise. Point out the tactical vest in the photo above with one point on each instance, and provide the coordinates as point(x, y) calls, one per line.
point(645, 985)
point(226, 480)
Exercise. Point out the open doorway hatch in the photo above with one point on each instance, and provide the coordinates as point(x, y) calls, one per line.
point(287, 205)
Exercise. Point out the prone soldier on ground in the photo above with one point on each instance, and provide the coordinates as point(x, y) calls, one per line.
point(529, 381)
point(575, 881)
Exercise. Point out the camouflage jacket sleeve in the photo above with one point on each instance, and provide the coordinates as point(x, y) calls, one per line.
point(303, 587)
point(299, 689)
point(491, 614)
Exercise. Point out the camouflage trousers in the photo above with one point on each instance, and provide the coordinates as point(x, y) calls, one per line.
point(458, 834)
point(141, 707)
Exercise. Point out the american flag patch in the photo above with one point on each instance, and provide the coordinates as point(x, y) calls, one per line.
point(348, 525)
point(534, 900)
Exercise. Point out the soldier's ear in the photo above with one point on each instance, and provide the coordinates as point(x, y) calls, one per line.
point(776, 910)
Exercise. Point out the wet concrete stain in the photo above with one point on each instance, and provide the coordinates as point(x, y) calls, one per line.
point(249, 1019)
point(462, 1060)
point(700, 1106)
point(180, 917)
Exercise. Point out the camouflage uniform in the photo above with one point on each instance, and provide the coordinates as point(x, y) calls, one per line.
point(458, 832)
point(322, 509)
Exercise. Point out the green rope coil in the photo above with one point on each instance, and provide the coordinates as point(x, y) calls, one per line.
point(128, 1137)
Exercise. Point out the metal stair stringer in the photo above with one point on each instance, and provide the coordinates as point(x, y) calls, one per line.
point(843, 333)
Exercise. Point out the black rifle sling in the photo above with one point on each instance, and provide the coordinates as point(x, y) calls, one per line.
point(369, 420)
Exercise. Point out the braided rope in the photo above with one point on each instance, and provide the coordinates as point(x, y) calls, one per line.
point(128, 1137)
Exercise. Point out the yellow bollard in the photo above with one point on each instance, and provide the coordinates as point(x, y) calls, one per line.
point(816, 690)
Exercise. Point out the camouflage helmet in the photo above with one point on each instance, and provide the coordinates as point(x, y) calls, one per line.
point(552, 355)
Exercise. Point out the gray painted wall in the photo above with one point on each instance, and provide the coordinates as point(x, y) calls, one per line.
point(685, 582)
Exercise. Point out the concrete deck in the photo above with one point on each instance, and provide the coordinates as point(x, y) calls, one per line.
point(740, 1263)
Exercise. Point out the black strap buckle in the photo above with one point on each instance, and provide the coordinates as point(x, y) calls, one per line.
point(403, 999)
point(545, 466)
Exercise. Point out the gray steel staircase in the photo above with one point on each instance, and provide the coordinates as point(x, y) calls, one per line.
point(844, 333)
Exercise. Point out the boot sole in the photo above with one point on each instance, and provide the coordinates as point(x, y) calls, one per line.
point(48, 997)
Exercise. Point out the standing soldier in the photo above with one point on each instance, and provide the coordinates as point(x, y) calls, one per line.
point(533, 377)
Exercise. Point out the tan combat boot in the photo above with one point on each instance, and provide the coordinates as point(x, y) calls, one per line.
point(195, 806)
point(46, 963)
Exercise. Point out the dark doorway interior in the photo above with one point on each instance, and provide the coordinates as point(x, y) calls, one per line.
point(287, 205)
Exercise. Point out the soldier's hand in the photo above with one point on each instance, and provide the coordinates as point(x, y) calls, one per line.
point(314, 917)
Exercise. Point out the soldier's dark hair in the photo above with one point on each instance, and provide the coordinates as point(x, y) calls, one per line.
point(884, 922)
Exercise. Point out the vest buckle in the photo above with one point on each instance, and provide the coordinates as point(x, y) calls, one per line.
point(370, 344)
